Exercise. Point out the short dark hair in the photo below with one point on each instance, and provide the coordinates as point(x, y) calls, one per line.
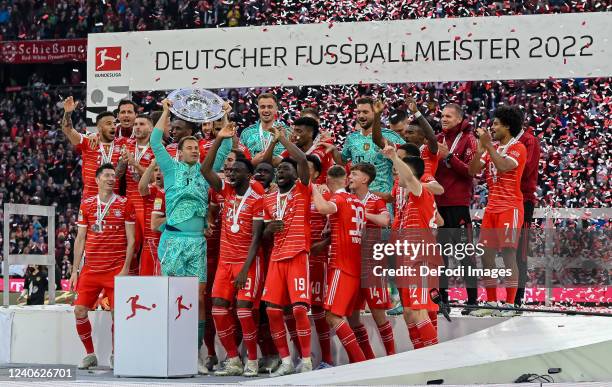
point(290, 161)
point(336, 171)
point(310, 111)
point(455, 107)
point(239, 154)
point(366, 168)
point(267, 95)
point(310, 123)
point(127, 102)
point(246, 162)
point(146, 117)
point(397, 116)
point(155, 116)
point(104, 167)
point(411, 149)
point(365, 101)
point(188, 124)
point(510, 116)
point(104, 114)
point(268, 164)
point(417, 164)
point(186, 138)
point(316, 163)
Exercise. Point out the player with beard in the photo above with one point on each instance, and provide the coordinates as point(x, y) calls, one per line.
point(126, 114)
point(107, 152)
point(182, 247)
point(359, 146)
point(377, 297)
point(347, 220)
point(240, 261)
point(151, 190)
point(135, 158)
point(503, 215)
point(287, 214)
point(258, 136)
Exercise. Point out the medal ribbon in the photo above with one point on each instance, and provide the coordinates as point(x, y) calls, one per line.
point(101, 214)
point(237, 211)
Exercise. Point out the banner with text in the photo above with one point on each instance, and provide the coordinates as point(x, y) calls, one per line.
point(43, 51)
point(455, 49)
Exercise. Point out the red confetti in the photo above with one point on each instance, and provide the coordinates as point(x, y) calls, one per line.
point(469, 35)
point(423, 28)
point(157, 79)
point(513, 30)
point(290, 78)
point(457, 37)
point(350, 39)
point(265, 30)
point(584, 23)
point(127, 54)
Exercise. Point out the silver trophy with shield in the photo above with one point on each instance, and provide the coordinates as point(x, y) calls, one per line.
point(196, 105)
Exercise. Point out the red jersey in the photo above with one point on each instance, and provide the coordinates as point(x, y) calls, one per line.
point(420, 211)
point(143, 156)
point(235, 243)
point(505, 187)
point(124, 132)
point(347, 225)
point(154, 202)
point(317, 226)
point(213, 241)
point(430, 159)
point(374, 205)
point(326, 159)
point(105, 249)
point(92, 159)
point(173, 150)
point(293, 208)
point(399, 193)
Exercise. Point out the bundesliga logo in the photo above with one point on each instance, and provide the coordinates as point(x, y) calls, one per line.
point(108, 58)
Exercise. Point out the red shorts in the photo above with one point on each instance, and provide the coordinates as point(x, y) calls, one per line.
point(90, 285)
point(318, 282)
point(501, 229)
point(149, 261)
point(287, 281)
point(377, 298)
point(417, 298)
point(342, 292)
point(223, 284)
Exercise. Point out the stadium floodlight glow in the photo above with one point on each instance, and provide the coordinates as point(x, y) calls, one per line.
point(26, 259)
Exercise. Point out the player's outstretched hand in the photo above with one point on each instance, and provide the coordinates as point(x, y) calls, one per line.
point(228, 131)
point(412, 106)
point(70, 104)
point(379, 107)
point(166, 104)
point(484, 137)
point(389, 151)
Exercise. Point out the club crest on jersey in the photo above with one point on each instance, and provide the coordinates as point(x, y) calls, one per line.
point(117, 213)
point(366, 146)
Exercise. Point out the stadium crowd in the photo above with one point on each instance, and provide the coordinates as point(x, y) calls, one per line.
point(58, 19)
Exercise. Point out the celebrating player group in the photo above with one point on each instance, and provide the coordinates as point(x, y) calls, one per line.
point(272, 221)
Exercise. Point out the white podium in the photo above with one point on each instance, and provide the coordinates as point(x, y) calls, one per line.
point(156, 326)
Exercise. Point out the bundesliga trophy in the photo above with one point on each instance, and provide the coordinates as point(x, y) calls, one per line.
point(196, 105)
